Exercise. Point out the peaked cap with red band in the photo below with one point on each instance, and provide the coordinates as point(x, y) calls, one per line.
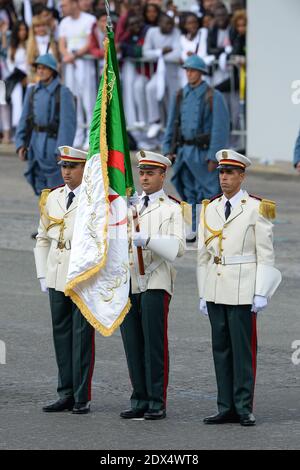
point(149, 160)
point(71, 155)
point(232, 160)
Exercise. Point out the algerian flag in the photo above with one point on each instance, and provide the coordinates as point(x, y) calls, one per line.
point(98, 277)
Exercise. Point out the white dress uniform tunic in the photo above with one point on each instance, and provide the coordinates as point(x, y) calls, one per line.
point(235, 268)
point(145, 328)
point(73, 335)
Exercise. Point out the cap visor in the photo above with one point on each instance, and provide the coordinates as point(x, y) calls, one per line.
point(152, 167)
point(230, 167)
point(66, 163)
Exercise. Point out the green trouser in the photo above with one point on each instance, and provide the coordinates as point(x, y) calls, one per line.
point(145, 338)
point(234, 351)
point(74, 343)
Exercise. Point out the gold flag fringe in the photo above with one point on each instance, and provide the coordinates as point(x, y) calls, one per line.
point(70, 287)
point(104, 156)
point(95, 323)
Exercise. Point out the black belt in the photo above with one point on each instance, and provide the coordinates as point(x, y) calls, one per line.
point(189, 142)
point(203, 141)
point(51, 132)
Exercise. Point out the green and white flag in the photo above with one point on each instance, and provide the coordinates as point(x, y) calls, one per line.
point(98, 277)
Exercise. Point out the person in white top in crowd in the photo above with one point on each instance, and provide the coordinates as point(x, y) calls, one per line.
point(162, 46)
point(16, 61)
point(40, 41)
point(219, 44)
point(193, 41)
point(43, 8)
point(97, 37)
point(79, 72)
point(5, 126)
point(220, 41)
point(47, 14)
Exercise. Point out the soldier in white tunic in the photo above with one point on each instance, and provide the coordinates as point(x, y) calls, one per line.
point(145, 328)
point(236, 278)
point(73, 335)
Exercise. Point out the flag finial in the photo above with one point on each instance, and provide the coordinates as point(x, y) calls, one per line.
point(108, 21)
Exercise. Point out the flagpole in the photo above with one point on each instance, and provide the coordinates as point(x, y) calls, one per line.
point(139, 249)
point(109, 26)
point(108, 20)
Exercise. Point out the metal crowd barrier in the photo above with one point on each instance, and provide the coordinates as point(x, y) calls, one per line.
point(236, 64)
point(232, 66)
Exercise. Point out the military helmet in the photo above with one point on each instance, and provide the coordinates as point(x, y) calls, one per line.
point(48, 61)
point(195, 62)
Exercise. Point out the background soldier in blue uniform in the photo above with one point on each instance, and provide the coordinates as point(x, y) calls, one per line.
point(198, 126)
point(48, 121)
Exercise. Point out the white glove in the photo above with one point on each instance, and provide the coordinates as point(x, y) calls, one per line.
point(2, 92)
point(228, 50)
point(259, 303)
point(133, 200)
point(203, 307)
point(44, 287)
point(222, 61)
point(140, 239)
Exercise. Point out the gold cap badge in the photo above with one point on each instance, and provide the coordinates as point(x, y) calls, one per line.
point(142, 153)
point(66, 151)
point(224, 154)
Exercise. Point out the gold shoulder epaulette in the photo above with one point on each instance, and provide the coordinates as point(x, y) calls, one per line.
point(267, 209)
point(43, 199)
point(186, 209)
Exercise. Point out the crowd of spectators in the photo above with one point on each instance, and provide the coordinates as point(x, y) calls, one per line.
point(153, 39)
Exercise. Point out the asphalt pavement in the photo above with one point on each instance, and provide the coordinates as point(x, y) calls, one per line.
point(28, 379)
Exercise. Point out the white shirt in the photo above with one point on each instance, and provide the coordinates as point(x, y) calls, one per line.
point(75, 191)
point(20, 60)
point(199, 42)
point(152, 197)
point(234, 200)
point(223, 39)
point(42, 43)
point(155, 41)
point(76, 31)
